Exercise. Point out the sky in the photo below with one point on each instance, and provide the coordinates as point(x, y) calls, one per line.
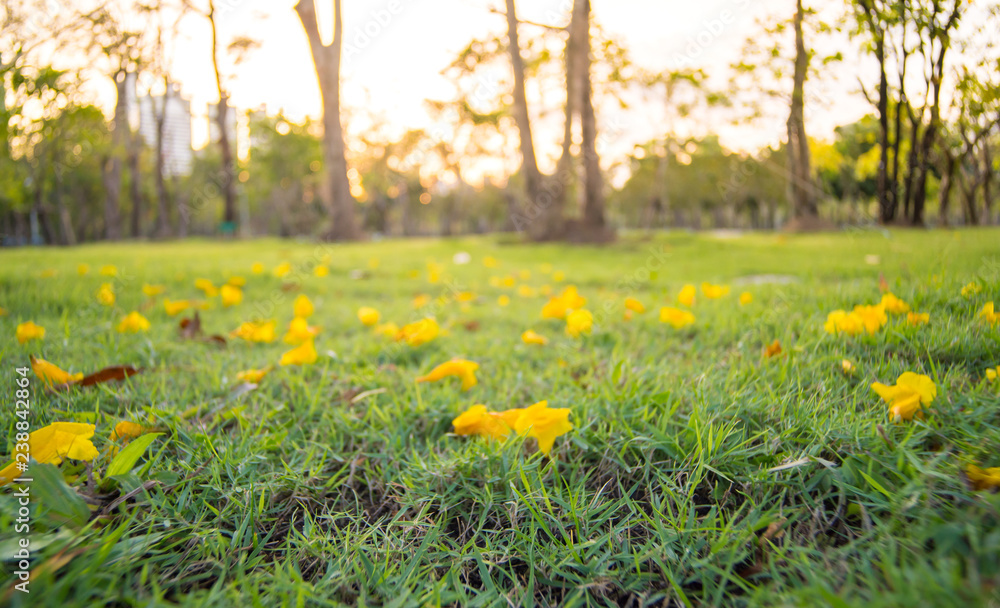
point(396, 49)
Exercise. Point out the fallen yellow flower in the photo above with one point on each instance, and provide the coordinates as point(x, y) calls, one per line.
point(544, 424)
point(82, 269)
point(303, 306)
point(503, 300)
point(253, 376)
point(714, 292)
point(109, 270)
point(321, 270)
point(304, 354)
point(106, 294)
point(127, 431)
point(983, 479)
point(29, 331)
point(300, 331)
point(676, 317)
point(746, 298)
point(970, 290)
point(579, 322)
point(257, 268)
point(282, 270)
point(462, 368)
point(419, 332)
point(530, 337)
point(176, 306)
point(259, 331)
point(871, 317)
point(908, 395)
point(478, 421)
point(993, 373)
point(918, 318)
point(236, 281)
point(773, 349)
point(687, 295)
point(231, 295)
point(389, 329)
point(847, 367)
point(989, 315)
point(894, 305)
point(206, 287)
point(368, 316)
point(633, 305)
point(50, 374)
point(843, 322)
point(133, 323)
point(50, 444)
point(152, 291)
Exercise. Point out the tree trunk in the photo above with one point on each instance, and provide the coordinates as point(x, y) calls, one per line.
point(135, 191)
point(113, 163)
point(987, 183)
point(221, 116)
point(944, 193)
point(65, 221)
point(803, 202)
point(529, 163)
point(327, 63)
point(594, 221)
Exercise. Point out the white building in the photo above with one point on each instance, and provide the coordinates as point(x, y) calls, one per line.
point(177, 152)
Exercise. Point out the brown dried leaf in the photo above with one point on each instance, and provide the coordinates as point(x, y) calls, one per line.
point(109, 374)
point(190, 328)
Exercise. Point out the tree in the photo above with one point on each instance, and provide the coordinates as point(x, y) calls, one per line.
point(326, 60)
point(802, 200)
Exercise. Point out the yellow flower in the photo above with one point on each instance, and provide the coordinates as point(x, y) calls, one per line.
point(686, 295)
point(419, 332)
point(260, 331)
point(231, 295)
point(561, 305)
point(503, 300)
point(993, 373)
point(558, 276)
point(842, 322)
point(389, 329)
point(303, 307)
point(530, 337)
point(478, 421)
point(176, 306)
point(48, 273)
point(82, 269)
point(257, 268)
point(50, 444)
point(714, 292)
point(466, 370)
point(847, 367)
point(109, 270)
point(894, 305)
point(29, 331)
point(544, 424)
point(988, 315)
point(676, 317)
point(526, 291)
point(207, 287)
point(373, 263)
point(152, 291)
point(634, 305)
point(971, 289)
point(50, 374)
point(282, 270)
point(299, 331)
point(106, 294)
point(304, 354)
point(509, 281)
point(368, 316)
point(773, 349)
point(421, 300)
point(127, 431)
point(746, 298)
point(133, 323)
point(579, 322)
point(236, 281)
point(983, 479)
point(871, 317)
point(321, 270)
point(253, 376)
point(906, 397)
point(918, 318)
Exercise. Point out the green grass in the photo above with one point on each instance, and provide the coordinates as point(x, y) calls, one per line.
point(340, 483)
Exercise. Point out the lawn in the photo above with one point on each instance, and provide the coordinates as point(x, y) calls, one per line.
point(699, 472)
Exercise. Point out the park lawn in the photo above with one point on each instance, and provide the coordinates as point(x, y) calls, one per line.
point(342, 482)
